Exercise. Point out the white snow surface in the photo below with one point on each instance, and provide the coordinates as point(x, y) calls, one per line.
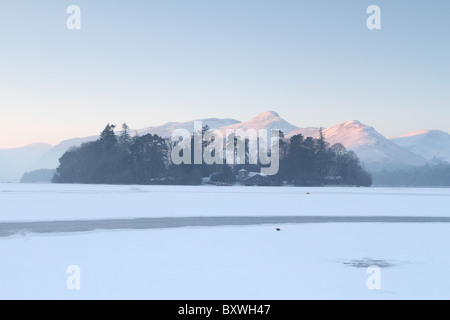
point(23, 202)
point(302, 261)
point(299, 262)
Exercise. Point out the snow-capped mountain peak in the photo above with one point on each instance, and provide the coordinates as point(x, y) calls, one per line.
point(430, 144)
point(353, 123)
point(269, 120)
point(413, 134)
point(375, 151)
point(353, 134)
point(422, 133)
point(268, 115)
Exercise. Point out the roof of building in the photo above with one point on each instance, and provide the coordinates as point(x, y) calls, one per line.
point(254, 174)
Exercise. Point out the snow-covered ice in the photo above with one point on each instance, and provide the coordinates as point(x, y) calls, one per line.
point(302, 261)
point(299, 262)
point(80, 202)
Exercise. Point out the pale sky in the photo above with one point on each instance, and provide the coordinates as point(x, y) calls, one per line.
point(148, 62)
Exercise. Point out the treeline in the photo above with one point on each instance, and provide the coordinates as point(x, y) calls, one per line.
point(308, 161)
point(427, 176)
point(115, 160)
point(38, 176)
point(122, 159)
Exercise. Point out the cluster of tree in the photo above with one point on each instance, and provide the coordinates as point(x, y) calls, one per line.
point(427, 176)
point(122, 159)
point(115, 160)
point(308, 161)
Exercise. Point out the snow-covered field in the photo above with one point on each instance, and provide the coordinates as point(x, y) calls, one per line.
point(302, 261)
point(71, 202)
point(299, 262)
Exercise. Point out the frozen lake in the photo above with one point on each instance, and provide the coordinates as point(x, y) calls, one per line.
point(304, 261)
point(221, 243)
point(86, 202)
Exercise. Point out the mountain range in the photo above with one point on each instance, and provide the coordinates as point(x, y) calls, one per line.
point(433, 145)
point(375, 150)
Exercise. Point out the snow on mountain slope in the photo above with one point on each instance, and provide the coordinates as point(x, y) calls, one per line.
point(167, 129)
point(375, 151)
point(269, 120)
point(306, 132)
point(432, 145)
point(14, 162)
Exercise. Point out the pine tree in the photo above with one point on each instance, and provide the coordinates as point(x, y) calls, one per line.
point(108, 138)
point(321, 155)
point(125, 138)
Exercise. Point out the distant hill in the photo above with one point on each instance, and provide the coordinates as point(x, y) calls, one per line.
point(38, 176)
point(433, 145)
point(375, 151)
point(14, 162)
point(166, 130)
point(269, 120)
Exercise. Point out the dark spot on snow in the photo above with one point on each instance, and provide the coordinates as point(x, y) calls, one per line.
point(368, 262)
